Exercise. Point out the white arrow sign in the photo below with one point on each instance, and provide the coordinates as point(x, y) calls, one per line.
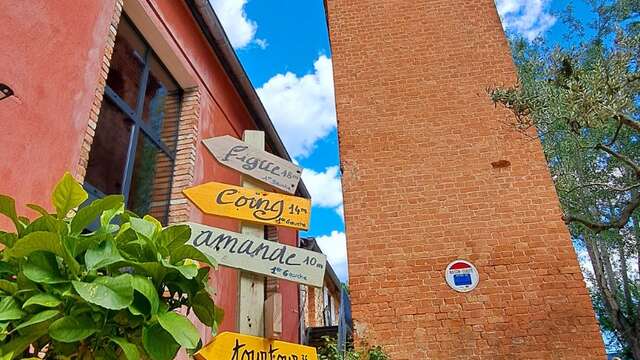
point(259, 256)
point(256, 163)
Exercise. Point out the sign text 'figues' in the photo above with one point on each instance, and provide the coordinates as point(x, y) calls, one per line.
point(232, 346)
point(251, 204)
point(259, 256)
point(256, 163)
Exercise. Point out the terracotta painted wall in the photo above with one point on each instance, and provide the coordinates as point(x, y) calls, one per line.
point(50, 53)
point(417, 139)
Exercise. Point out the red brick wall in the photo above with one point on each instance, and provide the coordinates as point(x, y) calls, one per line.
point(417, 139)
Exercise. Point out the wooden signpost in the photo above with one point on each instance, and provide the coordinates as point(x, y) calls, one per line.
point(255, 162)
point(259, 256)
point(232, 346)
point(251, 204)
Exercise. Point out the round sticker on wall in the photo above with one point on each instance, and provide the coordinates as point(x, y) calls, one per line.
point(462, 276)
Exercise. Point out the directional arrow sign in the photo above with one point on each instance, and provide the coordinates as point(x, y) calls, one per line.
point(251, 204)
point(259, 256)
point(254, 162)
point(232, 346)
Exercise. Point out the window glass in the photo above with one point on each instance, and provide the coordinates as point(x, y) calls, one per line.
point(151, 181)
point(134, 144)
point(127, 64)
point(161, 103)
point(108, 155)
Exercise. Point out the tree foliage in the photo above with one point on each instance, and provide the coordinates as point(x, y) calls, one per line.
point(111, 293)
point(583, 100)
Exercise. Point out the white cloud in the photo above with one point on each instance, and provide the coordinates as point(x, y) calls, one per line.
point(240, 29)
point(335, 247)
point(325, 187)
point(302, 108)
point(262, 43)
point(529, 18)
point(340, 211)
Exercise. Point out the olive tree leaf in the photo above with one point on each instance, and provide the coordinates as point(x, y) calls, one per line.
point(72, 328)
point(130, 350)
point(182, 330)
point(38, 318)
point(103, 255)
point(88, 214)
point(158, 343)
point(45, 300)
point(109, 292)
point(68, 194)
point(9, 309)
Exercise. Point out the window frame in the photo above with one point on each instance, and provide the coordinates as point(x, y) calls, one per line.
point(135, 118)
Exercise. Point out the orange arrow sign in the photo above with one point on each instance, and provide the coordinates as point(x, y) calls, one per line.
point(232, 346)
point(256, 163)
point(251, 204)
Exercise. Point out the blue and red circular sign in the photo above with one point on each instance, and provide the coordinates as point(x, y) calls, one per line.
point(462, 276)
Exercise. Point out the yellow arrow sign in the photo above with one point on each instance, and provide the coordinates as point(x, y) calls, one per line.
point(232, 346)
point(251, 204)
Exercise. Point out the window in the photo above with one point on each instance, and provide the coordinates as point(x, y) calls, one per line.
point(133, 149)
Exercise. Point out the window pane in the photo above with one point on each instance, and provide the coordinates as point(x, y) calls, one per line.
point(161, 102)
point(108, 155)
point(126, 64)
point(151, 180)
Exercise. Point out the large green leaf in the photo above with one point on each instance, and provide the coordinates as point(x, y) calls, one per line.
point(143, 227)
point(9, 309)
point(89, 213)
point(182, 252)
point(103, 255)
point(109, 292)
point(158, 343)
point(174, 236)
point(37, 241)
point(68, 194)
point(204, 308)
point(8, 287)
point(153, 269)
point(72, 328)
point(38, 318)
point(26, 338)
point(145, 287)
point(130, 350)
point(42, 274)
point(8, 239)
point(45, 300)
point(182, 330)
point(189, 271)
point(46, 219)
point(8, 208)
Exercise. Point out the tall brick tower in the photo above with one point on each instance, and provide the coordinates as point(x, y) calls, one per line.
point(431, 175)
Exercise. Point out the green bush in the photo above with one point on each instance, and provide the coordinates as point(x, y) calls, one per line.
point(106, 294)
point(329, 351)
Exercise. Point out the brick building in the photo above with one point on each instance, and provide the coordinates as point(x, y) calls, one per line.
point(430, 175)
point(121, 93)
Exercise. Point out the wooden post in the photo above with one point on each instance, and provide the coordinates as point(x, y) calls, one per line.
point(256, 316)
point(251, 287)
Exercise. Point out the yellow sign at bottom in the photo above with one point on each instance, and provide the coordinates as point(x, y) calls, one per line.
point(232, 346)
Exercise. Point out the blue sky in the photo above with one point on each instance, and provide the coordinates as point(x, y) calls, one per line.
point(284, 48)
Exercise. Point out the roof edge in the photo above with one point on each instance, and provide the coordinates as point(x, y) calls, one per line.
point(213, 31)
